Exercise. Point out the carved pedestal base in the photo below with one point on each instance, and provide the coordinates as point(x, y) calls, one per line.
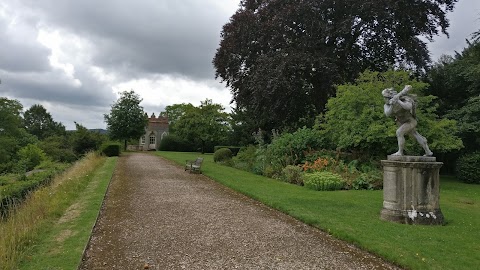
point(411, 190)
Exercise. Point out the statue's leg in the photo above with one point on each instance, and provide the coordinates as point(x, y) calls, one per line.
point(401, 140)
point(405, 128)
point(423, 142)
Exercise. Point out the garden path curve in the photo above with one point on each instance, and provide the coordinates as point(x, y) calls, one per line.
point(157, 216)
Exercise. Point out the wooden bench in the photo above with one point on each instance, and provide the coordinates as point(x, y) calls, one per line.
point(194, 166)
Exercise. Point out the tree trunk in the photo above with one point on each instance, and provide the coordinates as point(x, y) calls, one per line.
point(125, 145)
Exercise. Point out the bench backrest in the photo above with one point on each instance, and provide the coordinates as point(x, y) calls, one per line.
point(198, 161)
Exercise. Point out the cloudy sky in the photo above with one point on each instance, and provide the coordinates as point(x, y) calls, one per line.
point(74, 57)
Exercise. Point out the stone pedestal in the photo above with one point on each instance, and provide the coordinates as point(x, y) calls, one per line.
point(411, 187)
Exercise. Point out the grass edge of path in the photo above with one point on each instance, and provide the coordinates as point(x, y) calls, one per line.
point(62, 245)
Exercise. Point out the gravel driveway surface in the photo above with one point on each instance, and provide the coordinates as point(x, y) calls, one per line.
point(157, 216)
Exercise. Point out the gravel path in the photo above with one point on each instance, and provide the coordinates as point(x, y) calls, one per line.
point(156, 216)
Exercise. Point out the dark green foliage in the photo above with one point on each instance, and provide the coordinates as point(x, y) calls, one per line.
point(58, 148)
point(175, 143)
point(292, 174)
point(234, 149)
point(126, 120)
point(456, 82)
point(282, 58)
point(468, 168)
point(174, 113)
point(290, 148)
point(111, 149)
point(84, 140)
point(222, 155)
point(246, 158)
point(40, 123)
point(30, 156)
point(323, 181)
point(205, 126)
point(10, 124)
point(369, 180)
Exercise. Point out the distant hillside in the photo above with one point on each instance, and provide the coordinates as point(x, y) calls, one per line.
point(99, 130)
point(96, 130)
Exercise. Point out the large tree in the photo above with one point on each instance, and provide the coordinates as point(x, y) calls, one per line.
point(175, 112)
point(456, 81)
point(40, 123)
point(204, 125)
point(126, 120)
point(282, 58)
point(10, 123)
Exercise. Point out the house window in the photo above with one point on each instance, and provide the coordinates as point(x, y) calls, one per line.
point(152, 139)
point(142, 140)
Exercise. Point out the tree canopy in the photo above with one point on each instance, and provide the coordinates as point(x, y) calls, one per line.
point(40, 123)
point(355, 120)
point(282, 58)
point(175, 112)
point(126, 120)
point(205, 124)
point(456, 82)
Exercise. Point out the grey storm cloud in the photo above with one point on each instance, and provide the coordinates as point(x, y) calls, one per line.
point(20, 53)
point(168, 36)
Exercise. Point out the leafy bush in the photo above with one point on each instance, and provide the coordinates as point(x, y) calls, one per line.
point(323, 181)
point(292, 174)
point(175, 143)
point(369, 180)
point(222, 154)
point(245, 159)
point(30, 156)
point(111, 149)
point(58, 148)
point(290, 148)
point(84, 140)
point(468, 169)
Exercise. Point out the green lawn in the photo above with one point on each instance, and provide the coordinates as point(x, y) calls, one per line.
point(354, 216)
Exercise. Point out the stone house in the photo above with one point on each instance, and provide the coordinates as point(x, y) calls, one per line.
point(155, 131)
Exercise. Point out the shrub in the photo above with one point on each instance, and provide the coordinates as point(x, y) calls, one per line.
point(245, 159)
point(222, 154)
point(369, 180)
point(175, 143)
point(323, 181)
point(290, 148)
point(111, 149)
point(58, 148)
point(468, 169)
point(30, 156)
point(292, 174)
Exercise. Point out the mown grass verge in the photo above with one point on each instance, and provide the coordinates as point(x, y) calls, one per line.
point(50, 229)
point(354, 216)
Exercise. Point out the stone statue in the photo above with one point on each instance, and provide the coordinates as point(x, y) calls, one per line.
point(402, 106)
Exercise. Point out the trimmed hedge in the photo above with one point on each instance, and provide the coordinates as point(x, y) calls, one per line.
point(111, 150)
point(13, 192)
point(234, 149)
point(175, 143)
point(468, 168)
